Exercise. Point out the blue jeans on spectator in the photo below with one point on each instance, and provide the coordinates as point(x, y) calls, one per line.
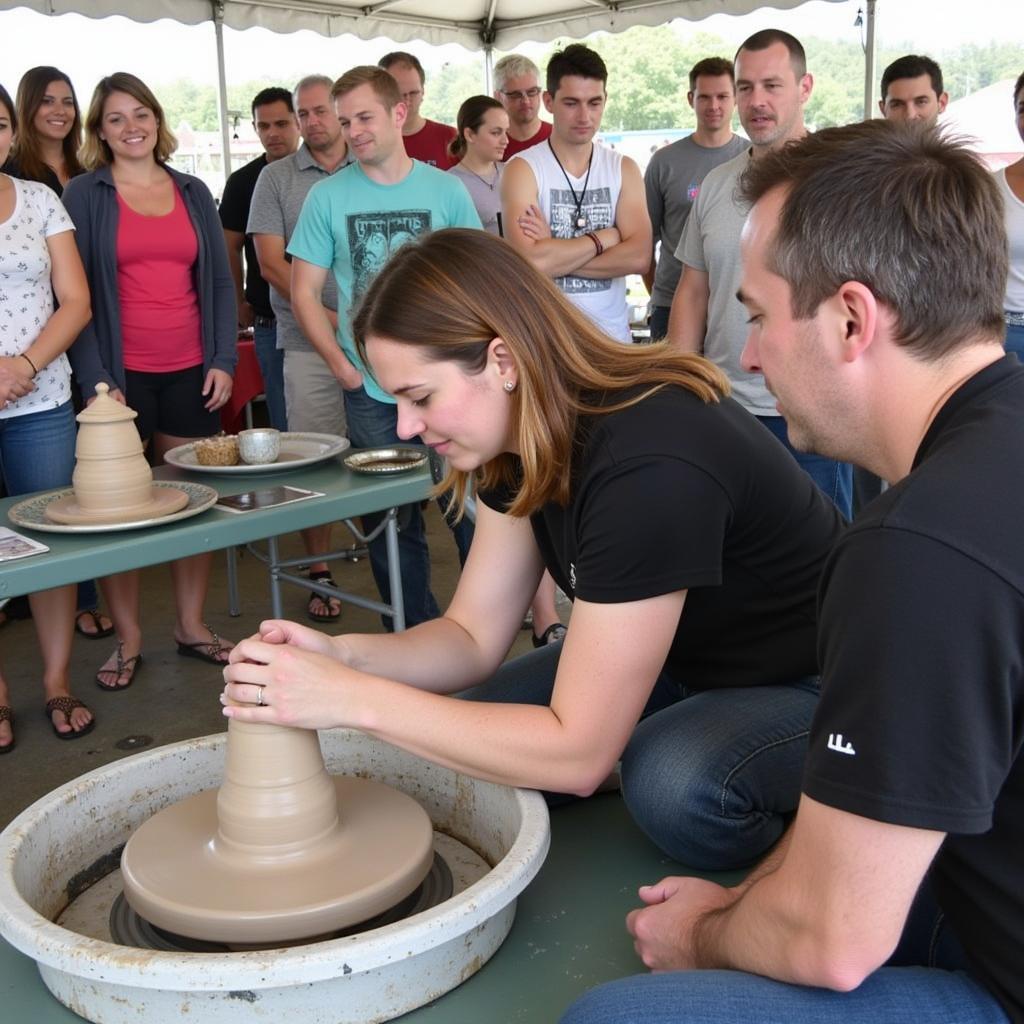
point(271, 360)
point(713, 776)
point(37, 450)
point(373, 424)
point(1015, 340)
point(834, 478)
point(926, 981)
point(657, 320)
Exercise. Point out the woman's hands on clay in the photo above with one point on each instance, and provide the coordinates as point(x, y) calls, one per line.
point(271, 679)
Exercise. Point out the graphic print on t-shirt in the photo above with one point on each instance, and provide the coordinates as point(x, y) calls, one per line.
point(597, 208)
point(373, 237)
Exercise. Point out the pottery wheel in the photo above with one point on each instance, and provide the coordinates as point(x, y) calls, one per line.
point(179, 875)
point(164, 502)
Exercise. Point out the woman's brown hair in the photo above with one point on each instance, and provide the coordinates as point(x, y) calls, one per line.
point(28, 153)
point(471, 115)
point(95, 151)
point(453, 291)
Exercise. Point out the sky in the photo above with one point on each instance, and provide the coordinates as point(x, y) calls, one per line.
point(87, 49)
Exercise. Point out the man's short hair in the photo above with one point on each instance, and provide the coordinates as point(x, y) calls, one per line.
point(713, 67)
point(410, 60)
point(515, 65)
point(913, 65)
point(769, 37)
point(308, 81)
point(385, 87)
point(576, 59)
point(274, 94)
point(912, 214)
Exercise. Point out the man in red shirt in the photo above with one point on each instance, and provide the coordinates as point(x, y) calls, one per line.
point(517, 89)
point(424, 139)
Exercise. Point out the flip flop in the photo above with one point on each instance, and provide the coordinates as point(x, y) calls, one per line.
point(95, 634)
point(7, 715)
point(330, 615)
point(123, 666)
point(65, 705)
point(205, 650)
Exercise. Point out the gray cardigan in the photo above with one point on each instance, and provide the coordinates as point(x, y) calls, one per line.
point(96, 354)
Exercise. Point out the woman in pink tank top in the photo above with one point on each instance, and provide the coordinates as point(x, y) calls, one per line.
point(163, 330)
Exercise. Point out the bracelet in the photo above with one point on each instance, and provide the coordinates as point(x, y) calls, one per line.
point(30, 363)
point(597, 243)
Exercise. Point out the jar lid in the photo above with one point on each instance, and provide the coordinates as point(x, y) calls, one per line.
point(104, 409)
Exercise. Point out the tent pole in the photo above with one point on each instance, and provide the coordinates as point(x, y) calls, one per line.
point(869, 63)
point(488, 69)
point(222, 87)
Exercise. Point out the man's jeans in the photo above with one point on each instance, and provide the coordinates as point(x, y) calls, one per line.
point(925, 982)
point(271, 360)
point(373, 424)
point(834, 478)
point(712, 777)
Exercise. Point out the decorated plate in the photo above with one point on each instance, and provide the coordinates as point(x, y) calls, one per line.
point(386, 460)
point(31, 513)
point(297, 450)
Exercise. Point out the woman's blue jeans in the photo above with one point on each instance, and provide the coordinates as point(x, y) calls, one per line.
point(37, 450)
point(712, 777)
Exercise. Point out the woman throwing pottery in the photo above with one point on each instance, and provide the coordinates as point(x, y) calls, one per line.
point(163, 331)
point(38, 260)
point(688, 539)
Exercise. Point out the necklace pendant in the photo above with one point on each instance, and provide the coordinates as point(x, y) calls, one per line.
point(581, 222)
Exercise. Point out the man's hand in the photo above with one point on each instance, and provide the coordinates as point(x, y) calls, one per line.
point(664, 931)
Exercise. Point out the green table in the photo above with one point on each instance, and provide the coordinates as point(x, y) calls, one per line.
point(568, 935)
point(347, 495)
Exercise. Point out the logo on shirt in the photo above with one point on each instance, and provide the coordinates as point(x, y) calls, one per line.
point(596, 206)
point(572, 575)
point(374, 237)
point(835, 742)
point(692, 191)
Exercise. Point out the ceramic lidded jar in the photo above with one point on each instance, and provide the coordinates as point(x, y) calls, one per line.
point(112, 477)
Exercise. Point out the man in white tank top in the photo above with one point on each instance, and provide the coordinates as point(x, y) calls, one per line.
point(574, 208)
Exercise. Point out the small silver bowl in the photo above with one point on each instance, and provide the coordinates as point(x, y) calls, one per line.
point(260, 446)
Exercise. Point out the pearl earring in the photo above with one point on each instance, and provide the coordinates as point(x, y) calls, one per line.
point(510, 386)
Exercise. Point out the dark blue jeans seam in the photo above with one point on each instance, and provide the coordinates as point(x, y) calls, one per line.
point(756, 753)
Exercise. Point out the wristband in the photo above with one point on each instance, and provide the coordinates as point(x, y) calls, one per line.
point(597, 243)
point(30, 363)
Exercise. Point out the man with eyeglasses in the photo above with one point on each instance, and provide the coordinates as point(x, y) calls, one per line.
point(424, 139)
point(516, 88)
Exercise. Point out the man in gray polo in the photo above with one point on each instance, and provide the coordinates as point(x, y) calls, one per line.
point(313, 396)
point(674, 175)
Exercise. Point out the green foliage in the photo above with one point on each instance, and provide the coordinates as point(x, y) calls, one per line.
point(648, 70)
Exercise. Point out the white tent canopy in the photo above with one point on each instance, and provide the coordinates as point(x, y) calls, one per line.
point(476, 24)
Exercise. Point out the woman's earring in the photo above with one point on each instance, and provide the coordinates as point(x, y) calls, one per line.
point(510, 386)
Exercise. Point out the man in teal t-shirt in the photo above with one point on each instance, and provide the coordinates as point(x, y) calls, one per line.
point(350, 225)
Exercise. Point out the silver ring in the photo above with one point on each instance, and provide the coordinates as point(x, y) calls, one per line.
point(260, 703)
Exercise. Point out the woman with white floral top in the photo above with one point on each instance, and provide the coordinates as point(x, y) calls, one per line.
point(39, 260)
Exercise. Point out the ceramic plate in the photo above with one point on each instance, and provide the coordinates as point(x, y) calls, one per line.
point(386, 460)
point(296, 450)
point(31, 512)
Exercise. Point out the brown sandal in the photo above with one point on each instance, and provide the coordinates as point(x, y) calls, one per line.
point(7, 715)
point(124, 667)
point(206, 650)
point(65, 705)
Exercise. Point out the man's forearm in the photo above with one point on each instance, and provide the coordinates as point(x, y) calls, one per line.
point(316, 326)
point(557, 257)
point(631, 256)
point(687, 323)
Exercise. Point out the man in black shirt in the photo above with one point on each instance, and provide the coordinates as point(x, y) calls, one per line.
point(273, 117)
point(874, 267)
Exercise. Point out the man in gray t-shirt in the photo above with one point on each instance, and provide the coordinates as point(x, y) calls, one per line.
point(313, 397)
point(772, 86)
point(675, 173)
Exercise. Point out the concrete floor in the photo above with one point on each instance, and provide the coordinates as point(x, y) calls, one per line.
point(172, 698)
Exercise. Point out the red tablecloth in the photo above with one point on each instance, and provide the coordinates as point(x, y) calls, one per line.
point(248, 383)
